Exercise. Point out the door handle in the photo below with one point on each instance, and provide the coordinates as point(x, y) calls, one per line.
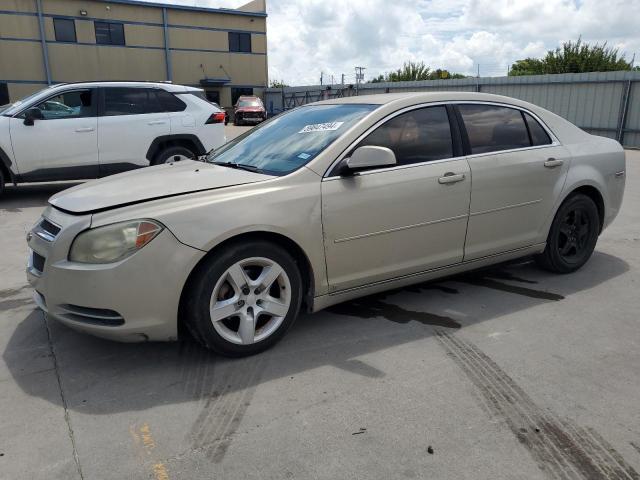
point(552, 163)
point(451, 177)
point(85, 129)
point(157, 122)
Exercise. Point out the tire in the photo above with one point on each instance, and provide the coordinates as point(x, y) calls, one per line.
point(2, 180)
point(244, 324)
point(572, 237)
point(169, 153)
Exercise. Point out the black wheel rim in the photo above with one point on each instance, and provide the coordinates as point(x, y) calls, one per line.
point(574, 234)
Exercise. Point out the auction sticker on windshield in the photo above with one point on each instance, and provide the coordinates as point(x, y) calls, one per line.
point(321, 127)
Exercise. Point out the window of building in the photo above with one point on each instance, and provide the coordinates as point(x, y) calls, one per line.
point(109, 33)
point(416, 136)
point(491, 128)
point(238, 92)
point(65, 30)
point(76, 104)
point(538, 134)
point(239, 42)
point(4, 93)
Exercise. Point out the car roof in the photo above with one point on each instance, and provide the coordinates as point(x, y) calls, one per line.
point(170, 87)
point(410, 98)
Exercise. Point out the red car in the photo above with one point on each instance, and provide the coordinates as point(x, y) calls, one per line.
point(249, 110)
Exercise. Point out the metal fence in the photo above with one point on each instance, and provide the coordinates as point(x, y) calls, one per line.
point(602, 103)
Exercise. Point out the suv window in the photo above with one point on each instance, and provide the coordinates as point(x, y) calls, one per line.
point(538, 134)
point(169, 102)
point(132, 101)
point(491, 128)
point(75, 104)
point(420, 135)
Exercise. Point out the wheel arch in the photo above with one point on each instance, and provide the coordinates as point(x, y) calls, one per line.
point(590, 190)
point(192, 142)
point(299, 255)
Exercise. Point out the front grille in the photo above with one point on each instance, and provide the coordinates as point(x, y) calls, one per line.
point(95, 316)
point(37, 261)
point(252, 115)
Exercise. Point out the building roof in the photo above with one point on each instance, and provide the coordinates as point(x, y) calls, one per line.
point(226, 11)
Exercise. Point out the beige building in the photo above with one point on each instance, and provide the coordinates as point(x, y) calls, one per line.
point(44, 42)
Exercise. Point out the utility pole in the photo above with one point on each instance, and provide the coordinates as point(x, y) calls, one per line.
point(342, 81)
point(321, 73)
point(478, 79)
point(359, 76)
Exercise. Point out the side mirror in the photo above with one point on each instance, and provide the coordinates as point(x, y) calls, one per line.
point(370, 156)
point(31, 115)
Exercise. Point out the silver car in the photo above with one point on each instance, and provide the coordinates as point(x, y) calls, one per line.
point(328, 202)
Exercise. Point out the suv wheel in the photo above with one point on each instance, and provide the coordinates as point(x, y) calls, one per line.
point(243, 299)
point(573, 235)
point(170, 153)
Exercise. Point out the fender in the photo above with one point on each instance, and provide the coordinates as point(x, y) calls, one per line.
point(156, 144)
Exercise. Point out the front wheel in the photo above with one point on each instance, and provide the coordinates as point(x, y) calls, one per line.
point(573, 235)
point(172, 154)
point(242, 300)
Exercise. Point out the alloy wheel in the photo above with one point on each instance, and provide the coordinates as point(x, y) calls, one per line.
point(573, 235)
point(250, 300)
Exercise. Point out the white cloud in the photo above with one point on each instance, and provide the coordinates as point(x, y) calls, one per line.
point(306, 37)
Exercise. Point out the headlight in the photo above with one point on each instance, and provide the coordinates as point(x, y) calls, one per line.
point(112, 243)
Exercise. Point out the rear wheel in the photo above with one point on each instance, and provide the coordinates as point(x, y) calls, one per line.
point(243, 299)
point(171, 154)
point(573, 235)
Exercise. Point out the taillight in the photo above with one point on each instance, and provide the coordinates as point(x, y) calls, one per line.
point(217, 117)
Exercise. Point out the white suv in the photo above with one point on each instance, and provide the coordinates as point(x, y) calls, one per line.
point(93, 129)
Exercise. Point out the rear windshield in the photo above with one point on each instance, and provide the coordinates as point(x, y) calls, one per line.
point(290, 140)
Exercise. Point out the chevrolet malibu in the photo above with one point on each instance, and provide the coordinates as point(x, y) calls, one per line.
point(328, 202)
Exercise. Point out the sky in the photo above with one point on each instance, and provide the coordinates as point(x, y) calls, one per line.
point(307, 37)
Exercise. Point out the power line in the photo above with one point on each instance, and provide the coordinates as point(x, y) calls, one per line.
point(359, 76)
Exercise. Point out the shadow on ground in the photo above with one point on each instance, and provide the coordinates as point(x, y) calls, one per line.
point(102, 377)
point(14, 199)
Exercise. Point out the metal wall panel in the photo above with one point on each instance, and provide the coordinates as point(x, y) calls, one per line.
point(595, 101)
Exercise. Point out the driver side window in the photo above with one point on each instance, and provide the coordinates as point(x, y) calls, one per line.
point(76, 104)
point(420, 135)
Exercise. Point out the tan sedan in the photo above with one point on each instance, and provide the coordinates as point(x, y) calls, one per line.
point(328, 202)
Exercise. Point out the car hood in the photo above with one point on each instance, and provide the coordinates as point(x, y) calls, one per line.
point(143, 185)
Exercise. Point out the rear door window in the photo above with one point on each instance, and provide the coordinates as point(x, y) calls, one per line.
point(538, 134)
point(493, 128)
point(420, 135)
point(131, 101)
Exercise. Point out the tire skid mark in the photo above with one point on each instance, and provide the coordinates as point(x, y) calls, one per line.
point(562, 449)
point(224, 404)
point(547, 456)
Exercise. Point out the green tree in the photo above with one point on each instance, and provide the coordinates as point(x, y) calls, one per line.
point(277, 84)
point(573, 57)
point(412, 71)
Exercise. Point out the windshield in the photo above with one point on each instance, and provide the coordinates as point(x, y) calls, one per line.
point(249, 103)
point(290, 140)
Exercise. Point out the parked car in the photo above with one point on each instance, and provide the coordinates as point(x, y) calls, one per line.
point(249, 110)
point(324, 203)
point(93, 129)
